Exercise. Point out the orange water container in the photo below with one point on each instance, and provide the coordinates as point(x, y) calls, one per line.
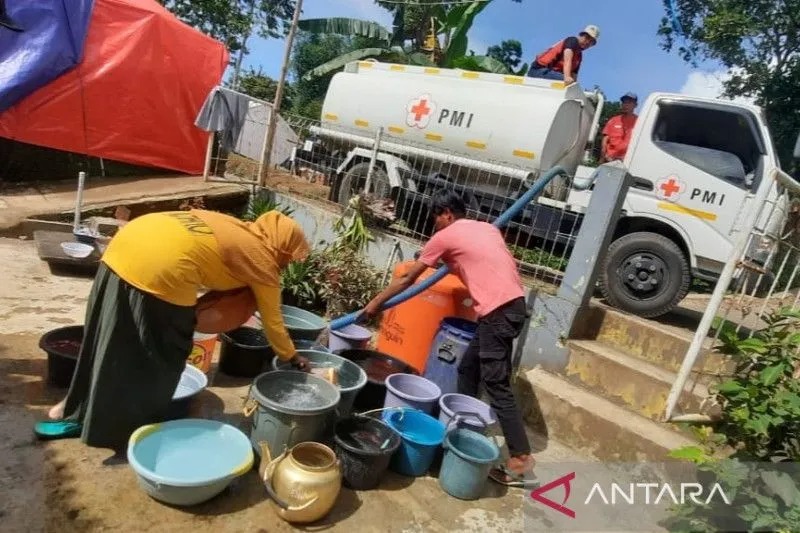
point(203, 346)
point(408, 329)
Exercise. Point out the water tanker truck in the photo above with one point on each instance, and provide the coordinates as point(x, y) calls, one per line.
point(696, 164)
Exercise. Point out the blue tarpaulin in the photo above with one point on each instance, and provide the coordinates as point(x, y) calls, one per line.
point(51, 43)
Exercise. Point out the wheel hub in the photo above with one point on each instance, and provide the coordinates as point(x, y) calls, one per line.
point(643, 274)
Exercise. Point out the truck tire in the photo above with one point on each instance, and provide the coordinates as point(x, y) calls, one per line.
point(645, 274)
point(354, 179)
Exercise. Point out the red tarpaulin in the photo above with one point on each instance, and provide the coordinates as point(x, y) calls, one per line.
point(134, 97)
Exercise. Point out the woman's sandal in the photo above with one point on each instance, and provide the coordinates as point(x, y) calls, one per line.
point(57, 429)
point(501, 474)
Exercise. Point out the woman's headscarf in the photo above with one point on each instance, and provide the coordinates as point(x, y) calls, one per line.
point(255, 252)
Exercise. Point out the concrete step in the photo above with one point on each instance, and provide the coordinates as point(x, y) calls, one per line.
point(635, 383)
point(554, 407)
point(663, 342)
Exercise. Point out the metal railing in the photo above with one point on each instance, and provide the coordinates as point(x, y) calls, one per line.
point(761, 276)
point(331, 164)
point(242, 162)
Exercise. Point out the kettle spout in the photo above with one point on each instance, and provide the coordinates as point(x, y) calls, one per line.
point(266, 458)
point(5, 20)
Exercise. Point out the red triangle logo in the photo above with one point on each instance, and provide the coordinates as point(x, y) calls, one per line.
point(538, 494)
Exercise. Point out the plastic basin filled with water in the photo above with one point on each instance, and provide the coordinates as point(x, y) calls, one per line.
point(292, 407)
point(350, 377)
point(185, 462)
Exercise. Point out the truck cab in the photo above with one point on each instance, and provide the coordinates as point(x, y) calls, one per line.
point(695, 164)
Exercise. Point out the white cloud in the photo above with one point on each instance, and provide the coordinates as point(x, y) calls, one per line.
point(706, 84)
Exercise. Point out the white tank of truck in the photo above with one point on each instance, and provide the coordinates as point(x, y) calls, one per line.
point(514, 121)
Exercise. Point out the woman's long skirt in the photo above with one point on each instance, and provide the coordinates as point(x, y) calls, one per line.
point(133, 353)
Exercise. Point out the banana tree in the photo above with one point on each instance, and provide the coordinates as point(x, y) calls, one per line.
point(452, 24)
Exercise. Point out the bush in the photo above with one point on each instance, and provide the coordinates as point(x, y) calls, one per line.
point(760, 425)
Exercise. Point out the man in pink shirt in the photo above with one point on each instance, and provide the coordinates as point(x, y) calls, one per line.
point(476, 252)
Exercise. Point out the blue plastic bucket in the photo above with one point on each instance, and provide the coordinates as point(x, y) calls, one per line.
point(421, 437)
point(410, 391)
point(447, 351)
point(468, 457)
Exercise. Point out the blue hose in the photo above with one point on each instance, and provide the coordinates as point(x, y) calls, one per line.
point(501, 221)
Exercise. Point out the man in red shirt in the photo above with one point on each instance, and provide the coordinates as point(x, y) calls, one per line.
point(617, 131)
point(562, 61)
point(476, 252)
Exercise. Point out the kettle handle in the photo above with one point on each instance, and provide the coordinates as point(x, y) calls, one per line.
point(268, 482)
point(268, 472)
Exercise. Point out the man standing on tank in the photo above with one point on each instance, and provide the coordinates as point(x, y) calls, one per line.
point(476, 252)
point(562, 61)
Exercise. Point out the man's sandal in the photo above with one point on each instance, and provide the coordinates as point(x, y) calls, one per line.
point(502, 475)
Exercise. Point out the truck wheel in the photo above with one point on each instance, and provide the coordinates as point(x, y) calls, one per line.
point(644, 273)
point(354, 180)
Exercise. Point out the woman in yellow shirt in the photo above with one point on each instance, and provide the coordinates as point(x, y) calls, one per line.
point(141, 314)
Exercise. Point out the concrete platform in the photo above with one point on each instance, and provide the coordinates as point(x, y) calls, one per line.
point(20, 203)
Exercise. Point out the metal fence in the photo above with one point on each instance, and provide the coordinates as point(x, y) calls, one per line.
point(761, 277)
point(242, 161)
point(333, 164)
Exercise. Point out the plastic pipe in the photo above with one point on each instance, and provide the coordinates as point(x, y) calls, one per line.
point(502, 220)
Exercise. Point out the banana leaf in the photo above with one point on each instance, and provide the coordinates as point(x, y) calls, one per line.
point(461, 26)
point(338, 62)
point(490, 64)
point(347, 27)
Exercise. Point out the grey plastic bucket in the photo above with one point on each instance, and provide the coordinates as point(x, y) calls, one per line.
point(292, 407)
point(351, 377)
point(408, 390)
point(352, 337)
point(452, 403)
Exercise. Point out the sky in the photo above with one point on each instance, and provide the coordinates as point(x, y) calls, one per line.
point(628, 55)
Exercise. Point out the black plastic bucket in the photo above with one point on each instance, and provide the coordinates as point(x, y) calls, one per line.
point(364, 445)
point(62, 346)
point(244, 353)
point(378, 367)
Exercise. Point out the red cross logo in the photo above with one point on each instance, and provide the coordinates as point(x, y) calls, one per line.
point(419, 111)
point(670, 188)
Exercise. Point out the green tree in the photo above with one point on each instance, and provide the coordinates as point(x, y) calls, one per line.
point(233, 21)
point(508, 52)
point(448, 22)
point(310, 51)
point(258, 85)
point(758, 40)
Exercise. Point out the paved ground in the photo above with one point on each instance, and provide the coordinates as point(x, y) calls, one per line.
point(64, 486)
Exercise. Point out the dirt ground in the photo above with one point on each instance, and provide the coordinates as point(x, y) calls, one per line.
point(65, 486)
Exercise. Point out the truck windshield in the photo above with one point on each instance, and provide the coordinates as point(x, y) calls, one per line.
point(718, 141)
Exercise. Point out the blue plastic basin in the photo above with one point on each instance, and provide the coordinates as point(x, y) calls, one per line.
point(302, 324)
point(189, 461)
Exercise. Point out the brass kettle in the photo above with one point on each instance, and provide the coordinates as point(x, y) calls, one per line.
point(303, 482)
